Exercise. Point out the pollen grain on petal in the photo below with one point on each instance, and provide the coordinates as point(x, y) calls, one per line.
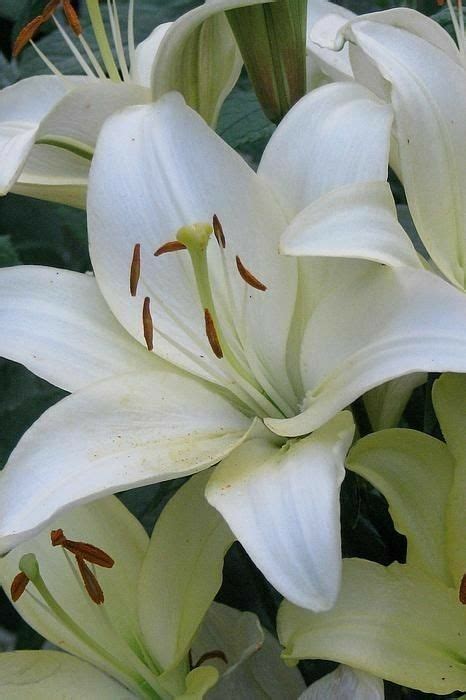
point(170, 247)
point(211, 334)
point(72, 17)
point(18, 586)
point(91, 584)
point(218, 231)
point(147, 324)
point(26, 34)
point(462, 591)
point(248, 277)
point(135, 270)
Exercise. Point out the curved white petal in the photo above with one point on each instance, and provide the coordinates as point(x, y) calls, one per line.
point(371, 628)
point(79, 116)
point(182, 572)
point(145, 55)
point(335, 136)
point(51, 674)
point(127, 431)
point(345, 683)
point(155, 170)
point(323, 62)
point(283, 506)
point(428, 93)
point(54, 175)
point(254, 669)
point(56, 323)
point(22, 106)
point(385, 403)
point(354, 221)
point(389, 323)
point(106, 524)
point(403, 465)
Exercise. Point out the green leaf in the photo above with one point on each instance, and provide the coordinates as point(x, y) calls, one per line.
point(8, 254)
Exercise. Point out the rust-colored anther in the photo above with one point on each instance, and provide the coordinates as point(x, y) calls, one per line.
point(147, 324)
point(211, 334)
point(18, 586)
point(135, 270)
point(26, 34)
point(72, 18)
point(49, 9)
point(86, 551)
point(170, 247)
point(215, 654)
point(462, 591)
point(91, 584)
point(218, 231)
point(248, 277)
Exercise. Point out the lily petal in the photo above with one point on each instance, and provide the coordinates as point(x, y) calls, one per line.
point(345, 683)
point(385, 403)
point(254, 669)
point(47, 674)
point(354, 221)
point(182, 572)
point(391, 323)
point(107, 524)
point(403, 465)
point(322, 61)
point(428, 93)
point(56, 323)
point(155, 170)
point(283, 506)
point(343, 126)
point(22, 106)
point(127, 431)
point(145, 55)
point(370, 628)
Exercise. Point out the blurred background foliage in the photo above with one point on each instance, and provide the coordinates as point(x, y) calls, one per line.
point(40, 233)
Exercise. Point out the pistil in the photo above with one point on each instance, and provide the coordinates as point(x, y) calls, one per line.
point(102, 40)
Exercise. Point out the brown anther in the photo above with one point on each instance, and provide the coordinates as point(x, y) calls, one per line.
point(26, 34)
point(135, 270)
point(211, 334)
point(49, 9)
point(218, 231)
point(462, 591)
point(57, 537)
point(18, 586)
point(170, 247)
point(91, 584)
point(147, 324)
point(248, 277)
point(72, 17)
point(215, 654)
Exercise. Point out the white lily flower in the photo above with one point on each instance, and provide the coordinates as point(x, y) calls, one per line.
point(410, 61)
point(346, 683)
point(136, 615)
point(233, 369)
point(405, 622)
point(49, 124)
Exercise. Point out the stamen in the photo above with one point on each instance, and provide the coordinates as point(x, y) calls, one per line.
point(100, 34)
point(26, 34)
point(211, 334)
point(49, 9)
point(148, 326)
point(462, 591)
point(170, 247)
point(91, 584)
point(72, 17)
point(18, 586)
point(248, 277)
point(135, 270)
point(84, 550)
point(218, 231)
point(215, 654)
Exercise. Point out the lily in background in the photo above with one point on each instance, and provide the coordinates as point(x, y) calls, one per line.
point(49, 124)
point(216, 349)
point(371, 626)
point(136, 615)
point(345, 683)
point(411, 62)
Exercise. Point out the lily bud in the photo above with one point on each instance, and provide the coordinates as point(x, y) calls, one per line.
point(272, 41)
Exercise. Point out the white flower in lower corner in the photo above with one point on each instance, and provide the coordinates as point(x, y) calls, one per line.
point(49, 124)
point(219, 350)
point(136, 615)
